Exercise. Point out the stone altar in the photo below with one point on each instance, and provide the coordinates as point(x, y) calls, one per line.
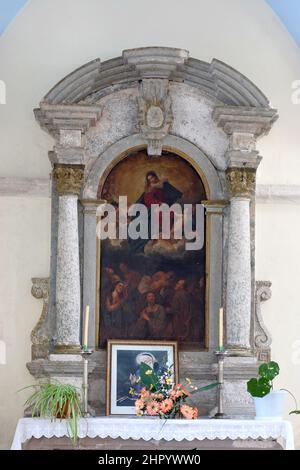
point(155, 434)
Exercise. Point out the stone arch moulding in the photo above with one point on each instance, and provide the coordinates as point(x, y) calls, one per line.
point(217, 79)
point(155, 97)
point(182, 147)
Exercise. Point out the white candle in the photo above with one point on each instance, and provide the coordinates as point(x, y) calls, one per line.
point(86, 327)
point(221, 319)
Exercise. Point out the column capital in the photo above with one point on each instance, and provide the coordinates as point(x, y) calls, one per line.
point(215, 207)
point(91, 205)
point(68, 178)
point(241, 181)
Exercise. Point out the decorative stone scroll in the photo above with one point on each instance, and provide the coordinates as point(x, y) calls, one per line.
point(39, 334)
point(262, 337)
point(68, 178)
point(154, 113)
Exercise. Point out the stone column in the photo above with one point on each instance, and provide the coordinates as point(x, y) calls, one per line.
point(241, 182)
point(243, 126)
point(68, 180)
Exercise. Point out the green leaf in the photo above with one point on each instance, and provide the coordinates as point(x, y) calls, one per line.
point(294, 412)
point(258, 387)
point(206, 387)
point(148, 377)
point(269, 371)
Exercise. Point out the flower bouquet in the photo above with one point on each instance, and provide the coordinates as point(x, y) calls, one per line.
point(158, 395)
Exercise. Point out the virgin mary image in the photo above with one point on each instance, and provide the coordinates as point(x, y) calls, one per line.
point(156, 192)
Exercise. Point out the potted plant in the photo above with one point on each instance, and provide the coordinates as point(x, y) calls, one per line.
point(269, 403)
point(57, 400)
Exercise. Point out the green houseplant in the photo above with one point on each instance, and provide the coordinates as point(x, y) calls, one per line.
point(56, 400)
point(268, 402)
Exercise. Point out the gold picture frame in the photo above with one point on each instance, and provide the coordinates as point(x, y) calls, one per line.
point(165, 353)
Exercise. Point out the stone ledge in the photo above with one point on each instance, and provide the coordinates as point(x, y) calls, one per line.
point(199, 372)
point(47, 368)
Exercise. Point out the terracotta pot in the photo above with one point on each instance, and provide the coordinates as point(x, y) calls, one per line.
point(64, 413)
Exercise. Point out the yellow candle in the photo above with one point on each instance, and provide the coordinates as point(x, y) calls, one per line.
point(221, 319)
point(86, 326)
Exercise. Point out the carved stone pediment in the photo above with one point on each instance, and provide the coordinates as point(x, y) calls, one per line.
point(155, 115)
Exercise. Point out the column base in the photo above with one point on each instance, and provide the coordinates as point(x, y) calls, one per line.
point(67, 349)
point(239, 351)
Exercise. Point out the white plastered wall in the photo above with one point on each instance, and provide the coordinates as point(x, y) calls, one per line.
point(48, 40)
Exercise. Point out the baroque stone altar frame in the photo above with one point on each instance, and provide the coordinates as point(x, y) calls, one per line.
point(155, 98)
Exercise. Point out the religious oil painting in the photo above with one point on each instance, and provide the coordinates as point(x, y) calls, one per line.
point(152, 289)
point(123, 370)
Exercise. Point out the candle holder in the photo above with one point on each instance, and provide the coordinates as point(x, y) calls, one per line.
point(221, 353)
point(85, 352)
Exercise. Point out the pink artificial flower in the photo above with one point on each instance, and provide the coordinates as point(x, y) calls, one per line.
point(166, 405)
point(179, 391)
point(144, 393)
point(139, 405)
point(188, 412)
point(158, 396)
point(152, 408)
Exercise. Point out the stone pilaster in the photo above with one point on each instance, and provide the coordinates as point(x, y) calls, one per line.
point(91, 267)
point(68, 180)
point(214, 229)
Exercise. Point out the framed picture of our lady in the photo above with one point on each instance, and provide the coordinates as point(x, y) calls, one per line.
point(152, 289)
point(124, 359)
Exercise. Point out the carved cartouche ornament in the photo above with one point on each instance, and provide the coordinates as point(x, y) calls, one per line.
point(155, 116)
point(241, 181)
point(68, 178)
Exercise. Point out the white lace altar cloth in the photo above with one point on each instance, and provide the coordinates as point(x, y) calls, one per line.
point(155, 428)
